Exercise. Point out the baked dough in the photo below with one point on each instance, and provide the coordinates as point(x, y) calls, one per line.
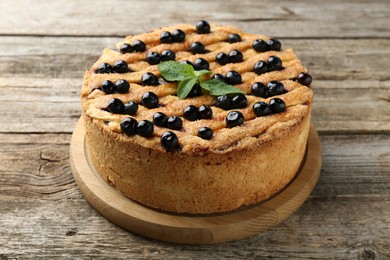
point(238, 166)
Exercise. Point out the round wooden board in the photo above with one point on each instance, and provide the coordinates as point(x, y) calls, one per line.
point(189, 229)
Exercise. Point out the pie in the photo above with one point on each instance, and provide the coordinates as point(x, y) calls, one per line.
point(204, 153)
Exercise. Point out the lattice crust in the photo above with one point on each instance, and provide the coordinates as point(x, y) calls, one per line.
point(255, 129)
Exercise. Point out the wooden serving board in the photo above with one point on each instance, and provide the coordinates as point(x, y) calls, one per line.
point(192, 229)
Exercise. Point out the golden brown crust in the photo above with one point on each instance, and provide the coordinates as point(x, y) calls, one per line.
point(238, 166)
point(94, 100)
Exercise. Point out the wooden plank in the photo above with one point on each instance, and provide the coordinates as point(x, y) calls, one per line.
point(52, 105)
point(280, 18)
point(351, 106)
point(347, 216)
point(355, 165)
point(344, 59)
point(69, 57)
point(50, 56)
point(71, 229)
point(35, 166)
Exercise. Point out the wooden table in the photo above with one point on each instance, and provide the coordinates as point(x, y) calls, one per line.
point(45, 46)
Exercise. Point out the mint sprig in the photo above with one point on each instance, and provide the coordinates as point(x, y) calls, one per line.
point(188, 78)
point(175, 71)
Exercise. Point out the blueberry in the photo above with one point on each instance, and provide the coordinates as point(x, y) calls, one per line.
point(260, 45)
point(304, 79)
point(197, 47)
point(205, 112)
point(108, 87)
point(259, 90)
point(260, 67)
point(222, 58)
point(274, 63)
point(149, 79)
point(233, 78)
point(122, 86)
point(205, 133)
point(202, 27)
point(195, 91)
point(168, 55)
point(274, 45)
point(191, 113)
point(129, 126)
point(149, 100)
point(120, 66)
point(166, 37)
point(153, 58)
point(174, 122)
point(234, 37)
point(104, 68)
point(277, 105)
point(219, 77)
point(160, 119)
point(139, 46)
point(178, 35)
point(145, 128)
point(201, 64)
point(275, 88)
point(126, 48)
point(131, 108)
point(234, 118)
point(224, 102)
point(115, 106)
point(169, 141)
point(186, 62)
point(261, 109)
point(239, 101)
point(235, 56)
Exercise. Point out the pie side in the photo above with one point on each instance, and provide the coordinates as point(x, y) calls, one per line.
point(199, 184)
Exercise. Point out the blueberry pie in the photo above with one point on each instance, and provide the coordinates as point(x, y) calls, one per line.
point(229, 131)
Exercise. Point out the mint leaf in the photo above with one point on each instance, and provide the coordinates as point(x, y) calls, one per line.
point(185, 87)
point(219, 88)
point(175, 71)
point(188, 77)
point(199, 73)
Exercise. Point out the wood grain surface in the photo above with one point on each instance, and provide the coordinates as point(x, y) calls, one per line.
point(45, 46)
point(280, 18)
